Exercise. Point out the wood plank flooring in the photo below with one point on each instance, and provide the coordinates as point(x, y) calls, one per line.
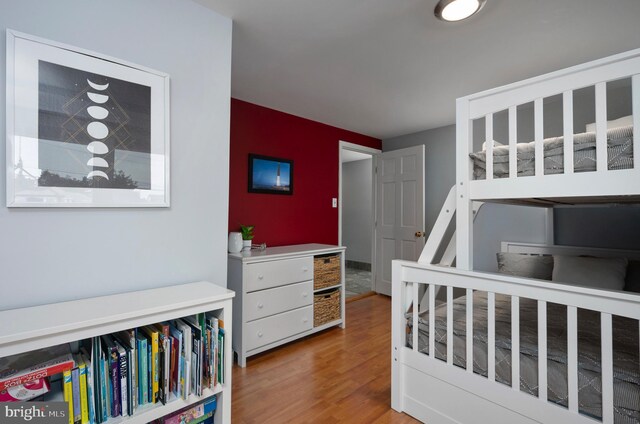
point(337, 376)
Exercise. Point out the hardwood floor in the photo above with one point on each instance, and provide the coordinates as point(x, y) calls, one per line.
point(336, 376)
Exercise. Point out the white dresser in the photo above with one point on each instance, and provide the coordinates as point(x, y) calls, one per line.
point(275, 294)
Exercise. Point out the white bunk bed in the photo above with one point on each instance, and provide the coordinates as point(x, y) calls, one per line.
point(439, 375)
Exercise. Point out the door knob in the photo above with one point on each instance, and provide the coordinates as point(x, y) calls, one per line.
point(419, 234)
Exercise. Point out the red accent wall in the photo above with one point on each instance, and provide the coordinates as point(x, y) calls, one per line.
point(307, 215)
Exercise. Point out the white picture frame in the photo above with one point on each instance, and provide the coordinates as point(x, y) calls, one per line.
point(74, 142)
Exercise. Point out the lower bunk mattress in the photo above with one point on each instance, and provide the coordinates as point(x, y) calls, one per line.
point(626, 351)
point(619, 155)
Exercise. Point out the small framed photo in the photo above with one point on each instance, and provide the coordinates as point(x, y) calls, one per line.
point(270, 175)
point(84, 129)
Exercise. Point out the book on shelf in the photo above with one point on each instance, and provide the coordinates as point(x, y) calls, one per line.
point(83, 399)
point(18, 369)
point(128, 340)
point(143, 369)
point(193, 414)
point(88, 360)
point(185, 379)
point(113, 360)
point(152, 336)
point(123, 371)
point(27, 391)
point(178, 371)
point(67, 390)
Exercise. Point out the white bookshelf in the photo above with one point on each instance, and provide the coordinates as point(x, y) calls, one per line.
point(36, 327)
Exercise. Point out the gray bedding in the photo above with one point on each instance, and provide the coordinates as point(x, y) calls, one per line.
point(626, 351)
point(619, 153)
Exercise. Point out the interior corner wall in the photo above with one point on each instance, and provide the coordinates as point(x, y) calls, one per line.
point(307, 216)
point(494, 223)
point(357, 213)
point(51, 255)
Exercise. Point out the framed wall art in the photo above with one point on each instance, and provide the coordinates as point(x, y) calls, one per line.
point(270, 175)
point(84, 129)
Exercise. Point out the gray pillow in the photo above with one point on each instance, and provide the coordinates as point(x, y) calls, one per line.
point(604, 273)
point(525, 265)
point(632, 280)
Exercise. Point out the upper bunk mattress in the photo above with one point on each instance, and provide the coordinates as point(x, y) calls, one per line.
point(619, 155)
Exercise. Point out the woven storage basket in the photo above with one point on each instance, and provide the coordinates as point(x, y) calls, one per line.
point(326, 307)
point(326, 271)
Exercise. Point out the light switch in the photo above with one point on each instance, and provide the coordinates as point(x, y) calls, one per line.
point(334, 202)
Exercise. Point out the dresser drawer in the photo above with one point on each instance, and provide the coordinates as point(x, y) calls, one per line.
point(277, 327)
point(263, 303)
point(264, 275)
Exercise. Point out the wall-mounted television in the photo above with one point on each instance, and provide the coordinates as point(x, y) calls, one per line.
point(270, 175)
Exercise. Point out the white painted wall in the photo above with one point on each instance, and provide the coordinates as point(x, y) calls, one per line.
point(357, 216)
point(49, 255)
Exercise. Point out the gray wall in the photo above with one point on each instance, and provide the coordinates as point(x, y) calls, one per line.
point(357, 216)
point(494, 223)
point(49, 255)
point(616, 227)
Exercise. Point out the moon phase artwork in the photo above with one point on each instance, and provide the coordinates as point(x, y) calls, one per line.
point(94, 131)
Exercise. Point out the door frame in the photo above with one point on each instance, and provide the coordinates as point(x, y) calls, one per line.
point(342, 146)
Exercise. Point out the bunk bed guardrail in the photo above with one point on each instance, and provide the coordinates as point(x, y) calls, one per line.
point(452, 385)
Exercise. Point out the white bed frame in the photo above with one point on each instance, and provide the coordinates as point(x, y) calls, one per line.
point(436, 391)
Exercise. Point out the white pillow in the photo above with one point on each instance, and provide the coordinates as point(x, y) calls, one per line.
point(604, 273)
point(525, 265)
point(615, 123)
point(495, 144)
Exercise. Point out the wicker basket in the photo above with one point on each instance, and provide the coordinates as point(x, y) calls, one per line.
point(326, 307)
point(326, 271)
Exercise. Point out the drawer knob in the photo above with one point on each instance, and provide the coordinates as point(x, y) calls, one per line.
point(259, 333)
point(305, 319)
point(260, 277)
point(260, 305)
point(304, 294)
point(305, 269)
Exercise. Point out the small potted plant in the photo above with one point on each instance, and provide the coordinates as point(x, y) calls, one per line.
point(247, 236)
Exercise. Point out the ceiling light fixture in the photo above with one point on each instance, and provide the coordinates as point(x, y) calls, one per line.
point(457, 10)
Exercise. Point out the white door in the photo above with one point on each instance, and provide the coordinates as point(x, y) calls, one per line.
point(399, 211)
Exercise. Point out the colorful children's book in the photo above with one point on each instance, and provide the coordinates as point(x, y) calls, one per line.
point(153, 335)
point(67, 390)
point(143, 369)
point(18, 369)
point(84, 402)
point(113, 359)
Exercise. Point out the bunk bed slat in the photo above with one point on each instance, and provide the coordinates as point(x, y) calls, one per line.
point(416, 309)
point(432, 320)
point(601, 127)
point(491, 336)
point(567, 116)
point(542, 350)
point(635, 94)
point(572, 357)
point(488, 137)
point(469, 337)
point(539, 136)
point(513, 141)
point(515, 343)
point(607, 367)
point(450, 325)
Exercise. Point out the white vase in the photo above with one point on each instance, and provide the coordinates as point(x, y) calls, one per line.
point(246, 245)
point(235, 242)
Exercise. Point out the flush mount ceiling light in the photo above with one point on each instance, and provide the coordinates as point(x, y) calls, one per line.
point(457, 10)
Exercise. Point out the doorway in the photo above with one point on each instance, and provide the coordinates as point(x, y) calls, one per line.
point(357, 216)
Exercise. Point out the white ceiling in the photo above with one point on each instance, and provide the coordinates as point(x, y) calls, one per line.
point(389, 67)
